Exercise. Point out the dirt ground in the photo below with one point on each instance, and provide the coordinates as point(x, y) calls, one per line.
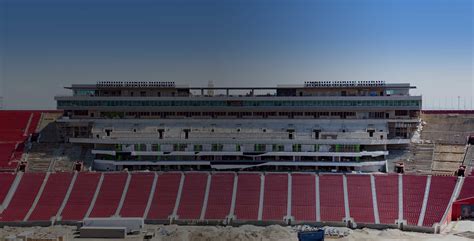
point(454, 232)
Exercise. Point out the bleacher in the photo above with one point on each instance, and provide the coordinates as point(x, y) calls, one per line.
point(360, 198)
point(81, 196)
point(275, 197)
point(165, 195)
point(386, 187)
point(6, 180)
point(109, 196)
point(23, 198)
point(52, 197)
point(182, 197)
point(192, 196)
point(413, 194)
point(303, 197)
point(441, 190)
point(332, 202)
point(220, 196)
point(15, 128)
point(137, 195)
point(467, 190)
point(248, 196)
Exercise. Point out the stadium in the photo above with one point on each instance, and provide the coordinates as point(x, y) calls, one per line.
point(356, 154)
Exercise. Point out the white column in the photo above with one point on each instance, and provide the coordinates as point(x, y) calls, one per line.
point(262, 195)
point(318, 200)
point(288, 218)
point(96, 194)
point(150, 196)
point(400, 199)
point(231, 215)
point(346, 198)
point(37, 198)
point(425, 201)
point(206, 197)
point(124, 195)
point(174, 215)
point(374, 199)
point(66, 198)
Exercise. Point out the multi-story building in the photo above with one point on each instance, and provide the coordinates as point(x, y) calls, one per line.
point(320, 125)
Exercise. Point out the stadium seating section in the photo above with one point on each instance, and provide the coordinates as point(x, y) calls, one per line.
point(386, 187)
point(220, 196)
point(15, 128)
point(210, 197)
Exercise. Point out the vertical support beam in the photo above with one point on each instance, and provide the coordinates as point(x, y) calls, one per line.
point(231, 215)
point(400, 220)
point(262, 196)
point(206, 197)
point(318, 200)
point(174, 215)
point(96, 194)
point(66, 198)
point(346, 199)
point(150, 196)
point(37, 198)
point(288, 218)
point(124, 195)
point(374, 199)
point(11, 192)
point(425, 201)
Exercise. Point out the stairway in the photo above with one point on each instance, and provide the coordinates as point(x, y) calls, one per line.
point(420, 158)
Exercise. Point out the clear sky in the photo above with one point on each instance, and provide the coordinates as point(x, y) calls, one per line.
point(48, 44)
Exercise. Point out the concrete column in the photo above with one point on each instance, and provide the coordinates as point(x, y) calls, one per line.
point(206, 197)
point(124, 195)
point(400, 220)
point(262, 196)
point(66, 198)
point(346, 199)
point(174, 215)
point(288, 218)
point(96, 194)
point(374, 199)
point(150, 196)
point(231, 215)
point(318, 202)
point(425, 201)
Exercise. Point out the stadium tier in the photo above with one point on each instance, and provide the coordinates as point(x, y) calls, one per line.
point(317, 126)
point(192, 197)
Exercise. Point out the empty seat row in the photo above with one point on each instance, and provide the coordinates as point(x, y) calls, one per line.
point(301, 197)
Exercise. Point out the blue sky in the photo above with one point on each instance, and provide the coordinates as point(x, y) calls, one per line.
point(46, 45)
